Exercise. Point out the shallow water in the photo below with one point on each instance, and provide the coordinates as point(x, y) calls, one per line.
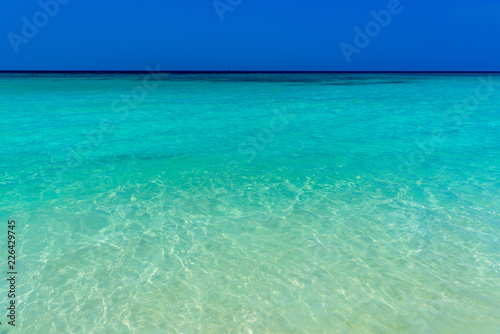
point(253, 203)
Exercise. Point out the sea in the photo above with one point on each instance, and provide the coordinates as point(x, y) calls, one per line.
point(250, 202)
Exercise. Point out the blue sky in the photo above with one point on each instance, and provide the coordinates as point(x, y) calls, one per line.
point(276, 35)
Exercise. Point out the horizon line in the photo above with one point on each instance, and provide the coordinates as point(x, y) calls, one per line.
point(225, 72)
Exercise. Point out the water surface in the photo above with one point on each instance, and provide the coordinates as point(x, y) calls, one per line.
point(253, 203)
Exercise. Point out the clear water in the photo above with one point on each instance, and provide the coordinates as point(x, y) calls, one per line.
point(252, 203)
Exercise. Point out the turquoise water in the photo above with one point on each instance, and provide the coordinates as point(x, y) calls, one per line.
point(252, 203)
